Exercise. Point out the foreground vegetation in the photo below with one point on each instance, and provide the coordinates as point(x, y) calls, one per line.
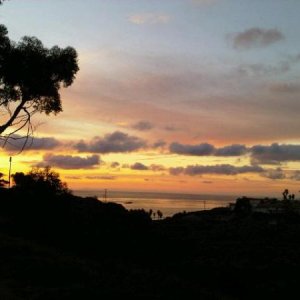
point(59, 246)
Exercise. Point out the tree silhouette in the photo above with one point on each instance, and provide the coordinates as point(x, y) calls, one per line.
point(243, 206)
point(285, 194)
point(41, 181)
point(150, 213)
point(30, 78)
point(159, 214)
point(2, 181)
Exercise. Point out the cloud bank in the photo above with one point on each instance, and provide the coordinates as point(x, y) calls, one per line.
point(143, 126)
point(141, 167)
point(70, 162)
point(256, 37)
point(222, 169)
point(259, 154)
point(101, 177)
point(285, 88)
point(275, 153)
point(274, 174)
point(16, 143)
point(205, 149)
point(117, 142)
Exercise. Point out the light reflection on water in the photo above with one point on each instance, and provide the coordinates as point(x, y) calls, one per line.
point(168, 203)
point(170, 207)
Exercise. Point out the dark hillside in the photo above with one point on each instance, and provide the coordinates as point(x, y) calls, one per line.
point(66, 246)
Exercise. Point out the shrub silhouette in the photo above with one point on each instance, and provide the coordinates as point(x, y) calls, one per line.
point(40, 181)
point(2, 181)
point(243, 206)
point(285, 194)
point(159, 214)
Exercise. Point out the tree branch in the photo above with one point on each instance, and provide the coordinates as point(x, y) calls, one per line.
point(25, 121)
point(13, 117)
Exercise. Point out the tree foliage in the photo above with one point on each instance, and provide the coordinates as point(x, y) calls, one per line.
point(40, 181)
point(31, 76)
point(243, 206)
point(2, 181)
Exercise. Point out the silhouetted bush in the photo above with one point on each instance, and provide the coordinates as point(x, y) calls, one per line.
point(243, 206)
point(139, 217)
point(2, 181)
point(40, 181)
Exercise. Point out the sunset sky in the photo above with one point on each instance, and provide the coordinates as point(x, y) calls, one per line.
point(192, 96)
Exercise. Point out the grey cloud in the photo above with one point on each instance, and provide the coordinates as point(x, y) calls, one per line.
point(274, 174)
point(82, 146)
point(256, 37)
point(115, 164)
point(275, 153)
point(281, 67)
point(157, 168)
point(199, 150)
point(70, 162)
point(143, 126)
point(285, 88)
point(260, 154)
point(16, 143)
point(255, 162)
point(294, 58)
point(101, 177)
point(111, 143)
point(170, 128)
point(44, 143)
point(232, 150)
point(295, 176)
point(176, 171)
point(263, 69)
point(223, 169)
point(159, 144)
point(139, 166)
point(73, 177)
point(206, 149)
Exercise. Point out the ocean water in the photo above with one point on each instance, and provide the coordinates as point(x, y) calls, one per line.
point(168, 203)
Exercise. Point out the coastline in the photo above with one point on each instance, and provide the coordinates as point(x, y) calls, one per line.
point(168, 203)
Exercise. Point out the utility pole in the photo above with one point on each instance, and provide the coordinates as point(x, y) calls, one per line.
point(9, 172)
